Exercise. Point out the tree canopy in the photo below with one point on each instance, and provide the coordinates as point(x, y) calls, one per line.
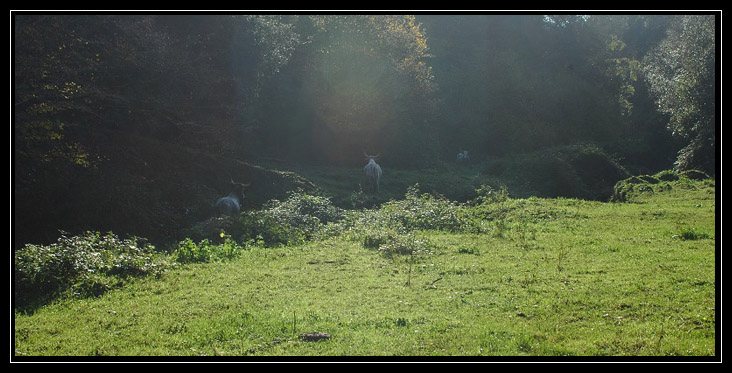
point(681, 73)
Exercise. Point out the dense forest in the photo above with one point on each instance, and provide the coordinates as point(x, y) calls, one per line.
point(136, 122)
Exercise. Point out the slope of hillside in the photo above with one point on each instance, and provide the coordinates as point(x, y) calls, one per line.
point(543, 277)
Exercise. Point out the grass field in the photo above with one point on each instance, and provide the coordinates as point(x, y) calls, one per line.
point(541, 277)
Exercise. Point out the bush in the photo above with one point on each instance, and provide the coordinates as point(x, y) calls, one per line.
point(406, 244)
point(424, 212)
point(583, 171)
point(88, 265)
point(667, 175)
point(204, 251)
point(626, 189)
point(383, 226)
point(374, 239)
point(300, 217)
point(487, 194)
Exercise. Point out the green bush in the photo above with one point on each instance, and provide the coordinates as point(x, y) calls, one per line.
point(583, 171)
point(204, 251)
point(626, 189)
point(298, 218)
point(424, 212)
point(667, 175)
point(87, 264)
point(406, 244)
point(385, 226)
point(487, 194)
point(374, 239)
point(261, 225)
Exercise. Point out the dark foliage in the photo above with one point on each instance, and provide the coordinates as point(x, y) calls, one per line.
point(133, 122)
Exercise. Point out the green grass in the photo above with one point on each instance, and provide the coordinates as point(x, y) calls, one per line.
point(545, 277)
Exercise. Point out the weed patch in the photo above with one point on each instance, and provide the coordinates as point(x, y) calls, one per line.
point(83, 265)
point(204, 251)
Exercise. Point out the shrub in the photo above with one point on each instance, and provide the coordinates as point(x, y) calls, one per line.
point(189, 252)
point(694, 175)
point(623, 189)
point(416, 212)
point(424, 212)
point(667, 175)
point(626, 189)
point(262, 225)
point(406, 244)
point(374, 239)
point(300, 217)
point(87, 264)
point(204, 251)
point(487, 194)
point(583, 171)
point(359, 199)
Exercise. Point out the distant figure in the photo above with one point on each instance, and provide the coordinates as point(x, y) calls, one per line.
point(373, 172)
point(462, 157)
point(231, 204)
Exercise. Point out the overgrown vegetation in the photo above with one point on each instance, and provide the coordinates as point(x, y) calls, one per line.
point(298, 218)
point(204, 252)
point(83, 265)
point(422, 275)
point(156, 109)
point(137, 123)
point(625, 190)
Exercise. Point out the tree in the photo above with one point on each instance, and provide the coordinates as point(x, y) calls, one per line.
point(520, 83)
point(680, 73)
point(77, 77)
point(359, 82)
point(108, 105)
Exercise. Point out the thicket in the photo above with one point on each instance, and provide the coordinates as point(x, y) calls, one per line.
point(204, 252)
point(626, 189)
point(296, 219)
point(584, 171)
point(84, 265)
point(407, 86)
point(302, 217)
point(90, 264)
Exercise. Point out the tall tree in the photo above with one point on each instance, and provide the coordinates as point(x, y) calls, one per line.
point(520, 83)
point(361, 82)
point(681, 75)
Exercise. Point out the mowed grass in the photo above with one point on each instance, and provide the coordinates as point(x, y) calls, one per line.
point(548, 277)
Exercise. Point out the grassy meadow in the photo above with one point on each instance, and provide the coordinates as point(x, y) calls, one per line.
point(548, 277)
